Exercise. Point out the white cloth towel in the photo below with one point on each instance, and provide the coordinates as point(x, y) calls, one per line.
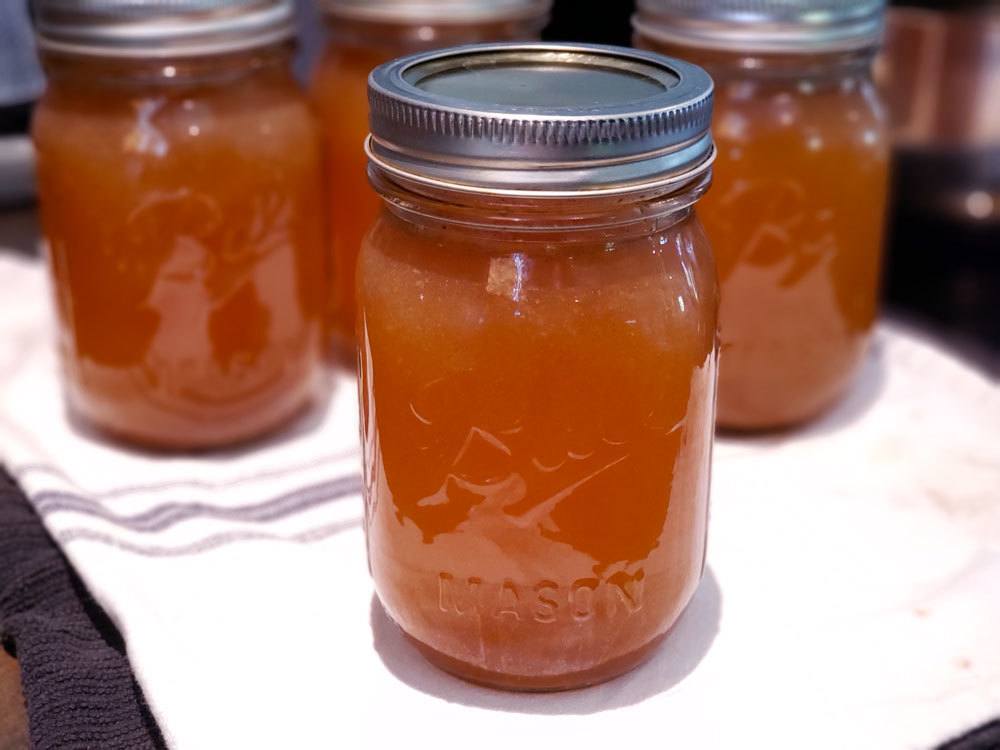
point(852, 596)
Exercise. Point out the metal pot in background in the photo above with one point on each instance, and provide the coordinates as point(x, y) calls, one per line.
point(940, 71)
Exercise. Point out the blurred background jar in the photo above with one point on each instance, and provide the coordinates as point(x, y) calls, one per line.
point(538, 318)
point(796, 214)
point(940, 71)
point(362, 35)
point(180, 186)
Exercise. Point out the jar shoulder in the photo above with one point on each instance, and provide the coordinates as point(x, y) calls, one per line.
point(839, 106)
point(133, 118)
point(444, 279)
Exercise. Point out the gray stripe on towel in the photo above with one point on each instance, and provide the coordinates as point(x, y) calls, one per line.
point(168, 514)
point(208, 543)
point(202, 484)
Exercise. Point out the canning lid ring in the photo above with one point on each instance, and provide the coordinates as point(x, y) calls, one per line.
point(753, 32)
point(668, 179)
point(157, 38)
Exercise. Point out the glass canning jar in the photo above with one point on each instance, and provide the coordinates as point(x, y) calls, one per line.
point(797, 210)
point(537, 309)
point(180, 179)
point(362, 35)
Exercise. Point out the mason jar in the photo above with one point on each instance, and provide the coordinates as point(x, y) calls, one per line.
point(796, 215)
point(537, 307)
point(362, 35)
point(180, 180)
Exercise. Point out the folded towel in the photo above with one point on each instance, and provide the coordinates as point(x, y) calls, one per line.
point(219, 570)
point(77, 682)
point(851, 581)
point(71, 650)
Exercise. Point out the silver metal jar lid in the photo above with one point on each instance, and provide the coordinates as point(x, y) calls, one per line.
point(541, 119)
point(763, 25)
point(436, 11)
point(160, 28)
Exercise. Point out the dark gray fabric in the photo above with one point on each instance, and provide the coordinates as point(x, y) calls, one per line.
point(986, 737)
point(78, 686)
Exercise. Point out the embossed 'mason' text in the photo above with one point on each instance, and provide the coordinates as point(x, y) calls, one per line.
point(544, 601)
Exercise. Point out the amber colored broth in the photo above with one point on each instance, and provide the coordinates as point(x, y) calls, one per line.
point(182, 224)
point(795, 217)
point(339, 90)
point(537, 418)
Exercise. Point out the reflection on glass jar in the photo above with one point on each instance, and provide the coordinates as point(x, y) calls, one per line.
point(180, 205)
point(538, 362)
point(796, 213)
point(362, 36)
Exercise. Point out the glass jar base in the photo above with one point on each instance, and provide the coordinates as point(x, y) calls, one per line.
point(190, 437)
point(548, 683)
point(749, 421)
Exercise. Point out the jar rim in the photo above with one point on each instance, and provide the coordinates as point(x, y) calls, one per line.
point(531, 216)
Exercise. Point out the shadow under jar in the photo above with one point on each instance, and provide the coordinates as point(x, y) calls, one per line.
point(363, 35)
point(796, 214)
point(538, 357)
point(180, 178)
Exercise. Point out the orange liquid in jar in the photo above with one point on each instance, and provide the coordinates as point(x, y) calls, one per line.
point(339, 90)
point(538, 410)
point(795, 216)
point(182, 223)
